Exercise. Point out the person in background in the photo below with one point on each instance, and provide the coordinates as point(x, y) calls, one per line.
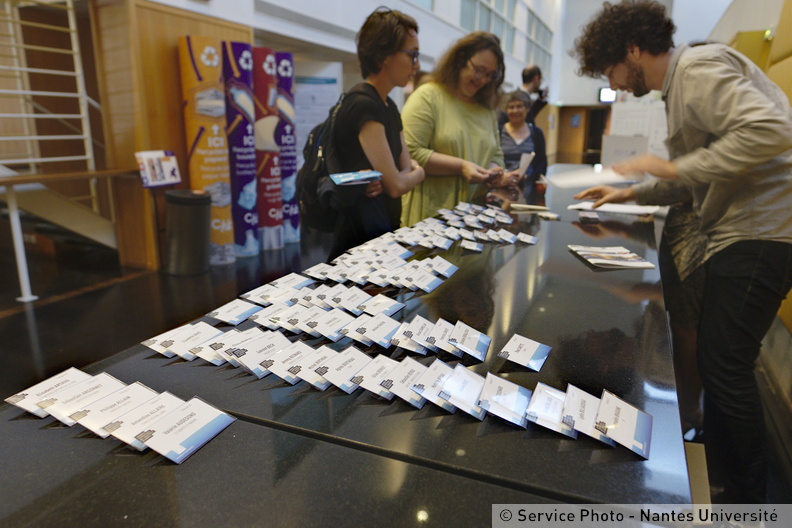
point(368, 132)
point(519, 136)
point(730, 143)
point(532, 85)
point(452, 131)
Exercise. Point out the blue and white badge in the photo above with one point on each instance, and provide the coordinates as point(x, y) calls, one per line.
point(580, 413)
point(430, 382)
point(625, 424)
point(469, 340)
point(234, 312)
point(462, 390)
point(505, 399)
point(374, 373)
point(182, 432)
point(546, 408)
point(258, 356)
point(525, 352)
point(339, 370)
point(401, 379)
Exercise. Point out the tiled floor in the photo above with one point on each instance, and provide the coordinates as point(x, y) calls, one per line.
point(90, 308)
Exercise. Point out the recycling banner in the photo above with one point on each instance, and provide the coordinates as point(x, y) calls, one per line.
point(240, 116)
point(204, 123)
point(286, 139)
point(268, 174)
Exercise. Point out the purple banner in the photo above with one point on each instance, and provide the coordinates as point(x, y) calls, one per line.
point(268, 176)
point(240, 116)
point(287, 139)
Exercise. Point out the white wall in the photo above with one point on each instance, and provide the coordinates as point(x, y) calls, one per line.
point(695, 19)
point(747, 15)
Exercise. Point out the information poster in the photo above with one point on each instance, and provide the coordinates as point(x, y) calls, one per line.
point(286, 138)
point(240, 116)
point(204, 123)
point(268, 173)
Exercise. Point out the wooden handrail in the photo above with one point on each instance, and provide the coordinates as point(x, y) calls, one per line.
point(63, 176)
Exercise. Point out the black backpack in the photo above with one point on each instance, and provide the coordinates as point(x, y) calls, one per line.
point(321, 160)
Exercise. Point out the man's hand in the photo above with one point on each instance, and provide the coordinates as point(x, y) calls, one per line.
point(606, 194)
point(650, 164)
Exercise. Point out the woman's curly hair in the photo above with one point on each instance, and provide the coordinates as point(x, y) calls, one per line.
point(611, 32)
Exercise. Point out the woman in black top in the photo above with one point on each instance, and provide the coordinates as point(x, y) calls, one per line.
point(368, 133)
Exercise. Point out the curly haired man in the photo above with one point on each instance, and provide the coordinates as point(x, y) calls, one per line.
point(730, 143)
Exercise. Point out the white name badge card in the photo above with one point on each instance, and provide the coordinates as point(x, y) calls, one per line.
point(340, 369)
point(331, 323)
point(486, 219)
point(310, 362)
point(472, 221)
point(462, 390)
point(417, 331)
point(467, 235)
point(469, 340)
point(161, 342)
point(425, 280)
point(451, 232)
point(372, 375)
point(260, 295)
point(330, 294)
point(482, 235)
point(259, 353)
point(507, 236)
point(106, 410)
point(525, 238)
point(580, 413)
point(192, 336)
point(472, 246)
point(504, 219)
point(351, 299)
point(75, 398)
point(242, 343)
point(525, 352)
point(406, 343)
point(380, 304)
point(438, 338)
point(318, 271)
point(443, 267)
point(282, 319)
point(546, 408)
point(129, 425)
point(183, 431)
point(381, 330)
point(317, 298)
point(28, 398)
point(625, 424)
point(305, 319)
point(505, 399)
point(285, 364)
point(356, 328)
point(401, 379)
point(494, 236)
point(441, 242)
point(235, 311)
point(293, 280)
point(218, 349)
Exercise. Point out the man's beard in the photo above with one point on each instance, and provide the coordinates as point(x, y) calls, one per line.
point(636, 80)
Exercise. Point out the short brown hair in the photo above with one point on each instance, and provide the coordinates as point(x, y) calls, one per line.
point(382, 34)
point(606, 39)
point(456, 58)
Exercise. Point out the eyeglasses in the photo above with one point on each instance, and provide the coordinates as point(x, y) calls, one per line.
point(481, 73)
point(415, 54)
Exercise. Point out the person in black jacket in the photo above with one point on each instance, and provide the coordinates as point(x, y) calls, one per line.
point(368, 132)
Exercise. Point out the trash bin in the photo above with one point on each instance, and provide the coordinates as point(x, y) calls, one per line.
point(188, 216)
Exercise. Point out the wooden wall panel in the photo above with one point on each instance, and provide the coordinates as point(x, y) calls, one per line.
point(136, 45)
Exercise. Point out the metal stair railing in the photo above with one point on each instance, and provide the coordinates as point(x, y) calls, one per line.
point(20, 110)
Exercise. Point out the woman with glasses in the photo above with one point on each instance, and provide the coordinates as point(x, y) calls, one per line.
point(368, 132)
point(520, 136)
point(452, 130)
